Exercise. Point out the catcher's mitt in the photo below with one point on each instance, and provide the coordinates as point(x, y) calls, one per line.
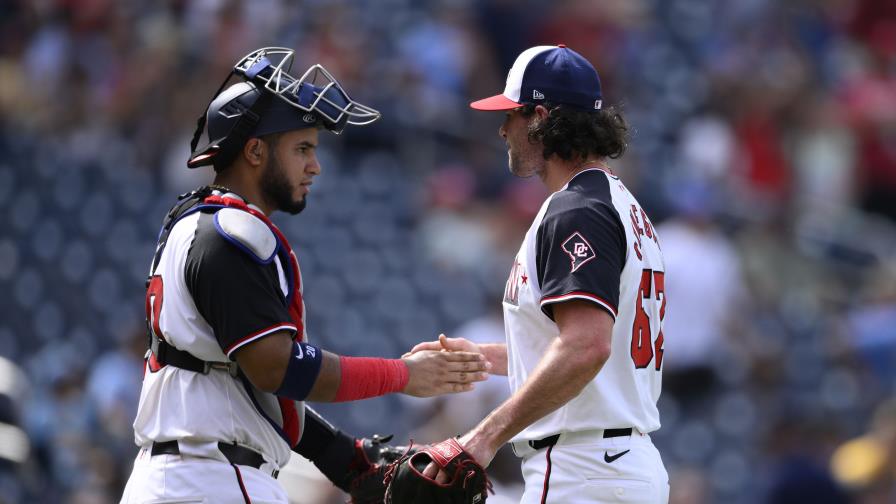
point(468, 483)
point(364, 480)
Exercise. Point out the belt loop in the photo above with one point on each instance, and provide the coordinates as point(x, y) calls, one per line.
point(544, 443)
point(611, 433)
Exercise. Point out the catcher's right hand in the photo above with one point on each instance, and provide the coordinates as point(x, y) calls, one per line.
point(434, 373)
point(467, 484)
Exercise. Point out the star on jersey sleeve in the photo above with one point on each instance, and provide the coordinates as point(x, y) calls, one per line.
point(239, 298)
point(580, 253)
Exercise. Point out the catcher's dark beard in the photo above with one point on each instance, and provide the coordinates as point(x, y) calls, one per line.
point(276, 189)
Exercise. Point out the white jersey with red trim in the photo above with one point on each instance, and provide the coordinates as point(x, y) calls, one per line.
point(592, 241)
point(209, 297)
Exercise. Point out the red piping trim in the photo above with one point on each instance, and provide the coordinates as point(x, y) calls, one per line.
point(578, 294)
point(239, 479)
point(547, 476)
point(246, 339)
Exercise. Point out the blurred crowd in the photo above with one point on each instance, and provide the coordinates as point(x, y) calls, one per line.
point(763, 144)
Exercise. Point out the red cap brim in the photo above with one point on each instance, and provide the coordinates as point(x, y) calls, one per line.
point(497, 102)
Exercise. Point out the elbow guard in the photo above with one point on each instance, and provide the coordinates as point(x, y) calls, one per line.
point(302, 371)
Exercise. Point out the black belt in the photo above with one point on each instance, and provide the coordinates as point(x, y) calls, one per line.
point(552, 440)
point(234, 453)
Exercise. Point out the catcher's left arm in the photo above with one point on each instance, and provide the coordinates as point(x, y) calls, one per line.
point(357, 466)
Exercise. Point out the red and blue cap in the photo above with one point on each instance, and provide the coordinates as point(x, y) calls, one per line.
point(540, 74)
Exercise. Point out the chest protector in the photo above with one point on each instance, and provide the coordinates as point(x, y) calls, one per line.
point(161, 353)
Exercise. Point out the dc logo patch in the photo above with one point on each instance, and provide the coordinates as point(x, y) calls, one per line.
point(578, 249)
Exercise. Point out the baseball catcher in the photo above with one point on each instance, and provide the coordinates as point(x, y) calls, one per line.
point(230, 362)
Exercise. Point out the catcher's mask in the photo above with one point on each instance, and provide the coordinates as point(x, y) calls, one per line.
point(249, 109)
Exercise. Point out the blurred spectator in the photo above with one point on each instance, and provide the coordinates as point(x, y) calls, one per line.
point(823, 152)
point(870, 100)
point(113, 391)
point(798, 473)
point(872, 325)
point(708, 151)
point(15, 447)
point(453, 231)
point(704, 288)
point(58, 420)
point(688, 485)
point(766, 176)
point(783, 283)
point(866, 465)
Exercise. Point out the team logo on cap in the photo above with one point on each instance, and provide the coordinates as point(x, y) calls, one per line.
point(578, 249)
point(537, 95)
point(308, 118)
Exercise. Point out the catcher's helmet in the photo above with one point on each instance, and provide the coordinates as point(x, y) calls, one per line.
point(270, 100)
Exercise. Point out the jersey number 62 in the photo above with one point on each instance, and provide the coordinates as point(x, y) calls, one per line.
point(652, 290)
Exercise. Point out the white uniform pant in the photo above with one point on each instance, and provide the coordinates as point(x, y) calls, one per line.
point(576, 469)
point(169, 479)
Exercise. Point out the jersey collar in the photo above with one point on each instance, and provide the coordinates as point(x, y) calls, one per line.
point(593, 168)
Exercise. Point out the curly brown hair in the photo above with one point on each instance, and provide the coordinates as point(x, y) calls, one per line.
point(576, 134)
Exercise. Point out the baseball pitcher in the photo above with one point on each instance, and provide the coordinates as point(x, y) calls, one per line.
point(583, 305)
